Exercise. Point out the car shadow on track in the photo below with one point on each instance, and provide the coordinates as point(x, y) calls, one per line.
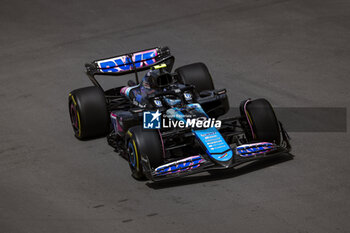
point(221, 174)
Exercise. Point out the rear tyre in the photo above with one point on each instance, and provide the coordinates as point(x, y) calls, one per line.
point(88, 113)
point(142, 142)
point(262, 120)
point(196, 74)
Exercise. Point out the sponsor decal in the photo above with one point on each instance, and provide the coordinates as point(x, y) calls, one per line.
point(135, 102)
point(255, 149)
point(215, 144)
point(188, 96)
point(124, 63)
point(158, 103)
point(180, 165)
point(172, 102)
point(224, 155)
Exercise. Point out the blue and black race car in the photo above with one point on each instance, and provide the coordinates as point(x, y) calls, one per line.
point(167, 125)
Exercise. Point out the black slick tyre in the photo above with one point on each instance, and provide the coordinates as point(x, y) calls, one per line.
point(196, 74)
point(88, 113)
point(262, 121)
point(147, 143)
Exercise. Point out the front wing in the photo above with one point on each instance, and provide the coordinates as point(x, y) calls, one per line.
point(200, 163)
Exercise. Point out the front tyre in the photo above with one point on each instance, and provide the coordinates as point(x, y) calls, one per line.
point(147, 143)
point(262, 121)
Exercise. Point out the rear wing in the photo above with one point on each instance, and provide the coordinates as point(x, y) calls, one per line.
point(129, 63)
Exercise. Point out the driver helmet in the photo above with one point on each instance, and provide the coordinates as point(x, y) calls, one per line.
point(157, 77)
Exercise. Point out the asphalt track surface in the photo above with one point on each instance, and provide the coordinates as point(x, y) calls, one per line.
point(294, 53)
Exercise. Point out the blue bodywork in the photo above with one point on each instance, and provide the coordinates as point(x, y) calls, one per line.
point(211, 139)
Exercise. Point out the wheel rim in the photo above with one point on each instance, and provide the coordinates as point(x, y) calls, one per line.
point(132, 156)
point(74, 117)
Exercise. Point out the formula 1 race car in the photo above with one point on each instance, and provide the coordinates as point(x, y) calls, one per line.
point(167, 125)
